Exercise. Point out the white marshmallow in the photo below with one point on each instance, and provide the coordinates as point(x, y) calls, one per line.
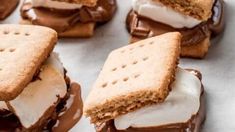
point(160, 13)
point(182, 102)
point(54, 61)
point(54, 4)
point(41, 94)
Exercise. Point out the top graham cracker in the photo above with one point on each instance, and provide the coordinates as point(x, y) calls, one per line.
point(199, 9)
point(22, 51)
point(134, 76)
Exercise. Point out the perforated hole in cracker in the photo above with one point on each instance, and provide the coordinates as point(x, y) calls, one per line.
point(142, 45)
point(134, 62)
point(145, 58)
point(114, 82)
point(123, 66)
point(27, 34)
point(114, 69)
point(137, 75)
point(2, 50)
point(6, 32)
point(151, 43)
point(12, 50)
point(125, 79)
point(17, 33)
point(104, 85)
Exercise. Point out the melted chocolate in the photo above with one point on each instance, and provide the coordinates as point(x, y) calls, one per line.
point(68, 118)
point(192, 125)
point(68, 112)
point(141, 27)
point(9, 123)
point(62, 20)
point(6, 7)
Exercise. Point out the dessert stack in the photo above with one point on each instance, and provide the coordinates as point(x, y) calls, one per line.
point(35, 92)
point(141, 88)
point(70, 18)
point(196, 20)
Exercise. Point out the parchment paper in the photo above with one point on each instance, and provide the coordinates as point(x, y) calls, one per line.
point(84, 58)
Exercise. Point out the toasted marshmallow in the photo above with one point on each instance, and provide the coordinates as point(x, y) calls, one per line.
point(3, 106)
point(160, 13)
point(55, 4)
point(41, 95)
point(181, 104)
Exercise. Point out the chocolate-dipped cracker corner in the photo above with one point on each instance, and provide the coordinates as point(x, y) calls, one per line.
point(6, 7)
point(203, 21)
point(35, 92)
point(74, 18)
point(128, 97)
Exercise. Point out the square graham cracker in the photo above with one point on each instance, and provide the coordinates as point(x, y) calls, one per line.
point(199, 9)
point(22, 51)
point(134, 76)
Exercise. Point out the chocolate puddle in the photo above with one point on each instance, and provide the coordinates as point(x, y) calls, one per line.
point(67, 119)
point(9, 123)
point(141, 27)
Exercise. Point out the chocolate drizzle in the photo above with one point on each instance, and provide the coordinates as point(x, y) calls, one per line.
point(71, 112)
point(192, 125)
point(62, 20)
point(141, 27)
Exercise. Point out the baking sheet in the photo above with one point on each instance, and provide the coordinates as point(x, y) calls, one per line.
point(84, 58)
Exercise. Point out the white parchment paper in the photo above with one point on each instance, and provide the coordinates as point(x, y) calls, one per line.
point(83, 58)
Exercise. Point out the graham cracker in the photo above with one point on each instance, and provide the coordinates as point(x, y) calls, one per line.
point(134, 76)
point(90, 3)
point(199, 9)
point(6, 7)
point(81, 30)
point(23, 49)
point(197, 51)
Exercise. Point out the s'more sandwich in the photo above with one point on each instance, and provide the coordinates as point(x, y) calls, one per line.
point(141, 89)
point(6, 7)
point(35, 92)
point(70, 18)
point(197, 20)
